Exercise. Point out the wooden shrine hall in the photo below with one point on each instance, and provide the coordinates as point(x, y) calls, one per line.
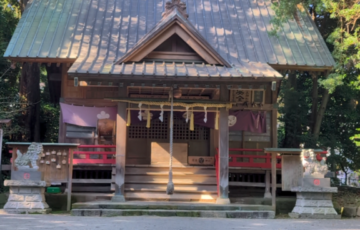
point(140, 80)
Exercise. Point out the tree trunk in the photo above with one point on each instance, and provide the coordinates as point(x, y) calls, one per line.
point(320, 113)
point(314, 107)
point(23, 4)
point(292, 129)
point(346, 178)
point(30, 93)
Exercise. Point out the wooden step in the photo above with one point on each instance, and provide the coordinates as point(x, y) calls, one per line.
point(144, 171)
point(178, 188)
point(165, 179)
point(174, 197)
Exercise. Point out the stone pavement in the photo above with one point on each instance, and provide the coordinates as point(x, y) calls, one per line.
point(66, 222)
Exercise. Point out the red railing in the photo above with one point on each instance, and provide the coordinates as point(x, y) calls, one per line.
point(106, 157)
point(249, 163)
point(250, 160)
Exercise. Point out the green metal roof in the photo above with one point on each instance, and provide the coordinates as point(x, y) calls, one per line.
point(98, 32)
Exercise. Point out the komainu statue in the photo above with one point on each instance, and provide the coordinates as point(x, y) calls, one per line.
point(315, 166)
point(26, 161)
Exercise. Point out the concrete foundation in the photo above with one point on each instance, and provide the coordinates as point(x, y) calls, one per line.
point(314, 203)
point(26, 196)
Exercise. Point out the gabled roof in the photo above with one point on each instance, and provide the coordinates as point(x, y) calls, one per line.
point(175, 23)
point(99, 32)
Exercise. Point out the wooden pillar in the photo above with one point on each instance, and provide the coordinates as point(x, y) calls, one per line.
point(223, 187)
point(119, 195)
point(273, 180)
point(1, 139)
point(64, 76)
point(274, 144)
point(69, 179)
point(267, 184)
point(223, 163)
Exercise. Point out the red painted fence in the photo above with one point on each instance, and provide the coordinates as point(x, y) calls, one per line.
point(248, 163)
point(106, 157)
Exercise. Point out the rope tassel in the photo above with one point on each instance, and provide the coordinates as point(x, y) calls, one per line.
point(128, 120)
point(217, 121)
point(192, 121)
point(148, 119)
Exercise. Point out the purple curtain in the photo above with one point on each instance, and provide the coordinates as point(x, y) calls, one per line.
point(86, 116)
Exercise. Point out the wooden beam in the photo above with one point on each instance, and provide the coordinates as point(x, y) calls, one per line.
point(88, 102)
point(42, 60)
point(301, 68)
point(251, 184)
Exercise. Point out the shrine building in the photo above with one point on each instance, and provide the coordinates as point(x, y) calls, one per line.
point(138, 80)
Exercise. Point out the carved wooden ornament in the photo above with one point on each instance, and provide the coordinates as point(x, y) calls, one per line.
point(171, 5)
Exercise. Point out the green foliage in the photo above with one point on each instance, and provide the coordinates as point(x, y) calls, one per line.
point(338, 22)
point(49, 118)
point(11, 105)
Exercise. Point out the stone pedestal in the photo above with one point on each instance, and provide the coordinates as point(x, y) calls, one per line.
point(26, 196)
point(314, 202)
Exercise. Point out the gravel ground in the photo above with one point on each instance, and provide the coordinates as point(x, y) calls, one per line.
point(66, 222)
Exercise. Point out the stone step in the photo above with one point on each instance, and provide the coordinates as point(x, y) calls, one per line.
point(240, 214)
point(168, 206)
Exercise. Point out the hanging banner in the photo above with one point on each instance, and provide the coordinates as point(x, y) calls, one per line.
point(86, 116)
point(250, 121)
point(144, 116)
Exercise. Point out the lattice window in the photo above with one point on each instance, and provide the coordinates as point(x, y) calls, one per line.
point(182, 131)
point(137, 132)
point(158, 129)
